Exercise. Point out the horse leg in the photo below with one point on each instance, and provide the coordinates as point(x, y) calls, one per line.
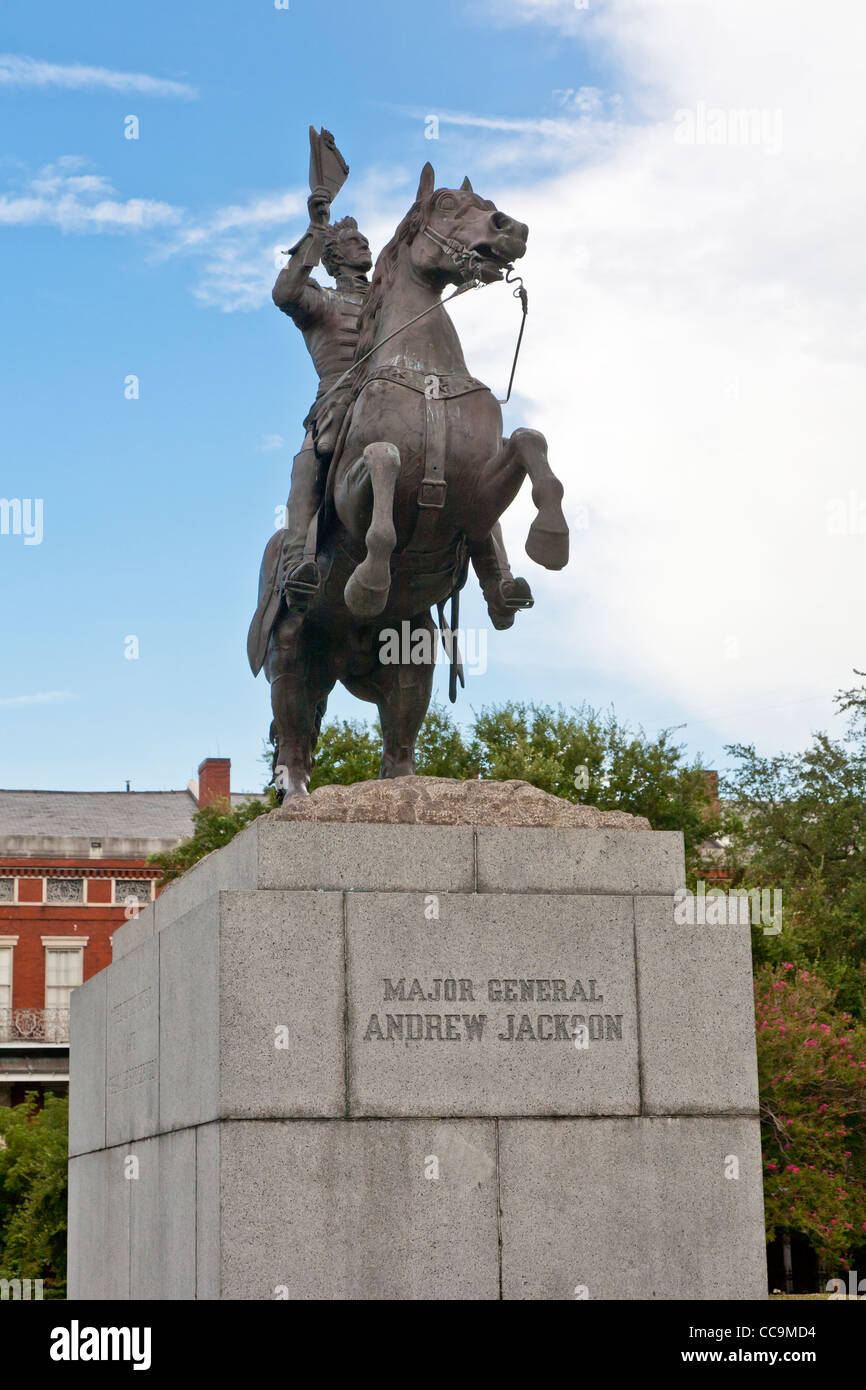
point(367, 589)
point(525, 453)
point(300, 687)
point(547, 542)
point(402, 691)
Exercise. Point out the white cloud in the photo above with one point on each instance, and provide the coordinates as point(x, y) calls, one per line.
point(237, 249)
point(592, 125)
point(41, 697)
point(18, 71)
point(74, 202)
point(270, 442)
point(240, 246)
point(559, 130)
point(695, 355)
point(234, 277)
point(568, 16)
point(275, 209)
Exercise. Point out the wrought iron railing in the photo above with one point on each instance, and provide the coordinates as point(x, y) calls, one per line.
point(34, 1025)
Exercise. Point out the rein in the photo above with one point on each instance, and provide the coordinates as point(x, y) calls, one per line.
point(461, 289)
point(467, 262)
point(519, 293)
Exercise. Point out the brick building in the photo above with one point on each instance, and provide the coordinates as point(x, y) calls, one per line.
point(73, 867)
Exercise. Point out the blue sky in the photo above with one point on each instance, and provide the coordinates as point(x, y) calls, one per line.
point(155, 256)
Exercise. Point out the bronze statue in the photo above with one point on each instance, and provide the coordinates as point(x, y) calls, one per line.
point(403, 473)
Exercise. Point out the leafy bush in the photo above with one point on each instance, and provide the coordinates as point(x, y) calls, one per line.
point(33, 1183)
point(812, 1083)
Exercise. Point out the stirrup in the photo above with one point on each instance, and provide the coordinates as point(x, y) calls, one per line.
point(510, 596)
point(516, 594)
point(304, 579)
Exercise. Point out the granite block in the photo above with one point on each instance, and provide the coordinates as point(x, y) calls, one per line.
point(482, 1009)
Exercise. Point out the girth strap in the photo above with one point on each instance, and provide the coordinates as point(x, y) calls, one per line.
point(431, 494)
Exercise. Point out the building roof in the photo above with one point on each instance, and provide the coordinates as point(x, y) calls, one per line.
point(99, 814)
point(128, 823)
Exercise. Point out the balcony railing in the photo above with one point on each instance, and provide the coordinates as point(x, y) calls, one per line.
point(34, 1025)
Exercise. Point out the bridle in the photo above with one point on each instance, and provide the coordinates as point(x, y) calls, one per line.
point(465, 260)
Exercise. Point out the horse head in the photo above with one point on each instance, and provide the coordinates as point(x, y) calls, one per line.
point(461, 235)
point(448, 236)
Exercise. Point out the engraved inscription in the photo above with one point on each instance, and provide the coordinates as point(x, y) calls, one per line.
point(135, 1004)
point(130, 1032)
point(132, 1076)
point(500, 1027)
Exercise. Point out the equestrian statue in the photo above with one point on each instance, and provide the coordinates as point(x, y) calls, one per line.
point(403, 473)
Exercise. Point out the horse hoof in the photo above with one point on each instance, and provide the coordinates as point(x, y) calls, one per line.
point(285, 785)
point(361, 600)
point(547, 548)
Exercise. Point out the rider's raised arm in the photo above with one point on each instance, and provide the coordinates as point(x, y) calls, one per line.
point(293, 292)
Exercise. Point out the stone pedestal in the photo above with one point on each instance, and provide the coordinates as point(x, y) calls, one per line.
point(415, 1061)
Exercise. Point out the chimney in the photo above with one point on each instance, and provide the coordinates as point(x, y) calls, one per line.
point(712, 778)
point(214, 780)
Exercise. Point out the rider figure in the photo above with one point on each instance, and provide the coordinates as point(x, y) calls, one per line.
point(328, 320)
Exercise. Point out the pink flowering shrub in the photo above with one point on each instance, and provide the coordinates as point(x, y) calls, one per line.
point(812, 1080)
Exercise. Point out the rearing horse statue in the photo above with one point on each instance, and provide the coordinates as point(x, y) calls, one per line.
point(420, 473)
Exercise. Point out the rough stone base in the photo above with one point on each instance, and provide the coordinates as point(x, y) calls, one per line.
point(418, 1061)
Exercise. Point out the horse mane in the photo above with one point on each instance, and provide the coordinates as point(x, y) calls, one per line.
point(383, 275)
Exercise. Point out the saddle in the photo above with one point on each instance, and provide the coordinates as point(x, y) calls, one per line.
point(436, 388)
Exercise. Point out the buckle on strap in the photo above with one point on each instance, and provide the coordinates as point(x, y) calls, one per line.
point(432, 493)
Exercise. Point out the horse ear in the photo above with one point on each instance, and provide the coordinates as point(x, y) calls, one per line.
point(427, 182)
point(466, 186)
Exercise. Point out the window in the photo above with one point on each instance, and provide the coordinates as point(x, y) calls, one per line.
point(138, 889)
point(7, 890)
point(64, 969)
point(6, 948)
point(64, 890)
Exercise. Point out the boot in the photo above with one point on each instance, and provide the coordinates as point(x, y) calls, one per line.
point(504, 594)
point(298, 573)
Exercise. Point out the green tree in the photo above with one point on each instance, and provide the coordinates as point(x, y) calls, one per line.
point(812, 1083)
point(215, 825)
point(797, 822)
point(351, 751)
point(441, 750)
point(33, 1190)
point(626, 770)
point(347, 751)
